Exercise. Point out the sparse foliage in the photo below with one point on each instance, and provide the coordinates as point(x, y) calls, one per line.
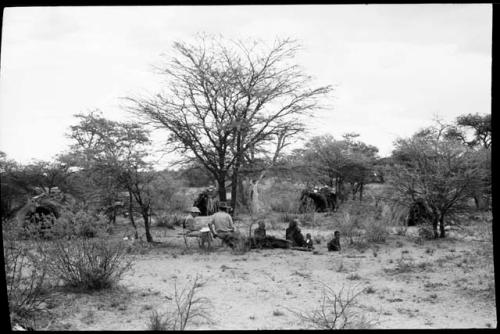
point(89, 264)
point(26, 276)
point(336, 311)
point(440, 172)
point(188, 307)
point(227, 100)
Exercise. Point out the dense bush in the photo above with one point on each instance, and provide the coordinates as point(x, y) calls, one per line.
point(426, 232)
point(90, 264)
point(68, 225)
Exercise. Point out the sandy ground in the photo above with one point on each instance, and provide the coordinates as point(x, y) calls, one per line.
point(448, 284)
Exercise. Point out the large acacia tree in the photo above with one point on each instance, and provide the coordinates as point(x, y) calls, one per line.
point(223, 99)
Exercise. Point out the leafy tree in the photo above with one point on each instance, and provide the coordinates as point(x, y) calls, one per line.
point(12, 194)
point(19, 182)
point(474, 130)
point(479, 125)
point(342, 164)
point(224, 99)
point(438, 170)
point(196, 175)
point(113, 152)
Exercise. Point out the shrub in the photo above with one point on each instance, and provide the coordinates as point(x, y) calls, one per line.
point(425, 232)
point(403, 265)
point(336, 311)
point(287, 217)
point(353, 276)
point(349, 227)
point(90, 264)
point(79, 224)
point(278, 313)
point(241, 245)
point(376, 231)
point(170, 221)
point(179, 202)
point(156, 322)
point(284, 204)
point(25, 279)
point(369, 290)
point(187, 308)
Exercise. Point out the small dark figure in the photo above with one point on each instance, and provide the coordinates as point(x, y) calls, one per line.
point(334, 244)
point(260, 235)
point(294, 235)
point(309, 242)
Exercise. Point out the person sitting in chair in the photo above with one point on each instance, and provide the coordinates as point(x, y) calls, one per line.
point(193, 229)
point(221, 225)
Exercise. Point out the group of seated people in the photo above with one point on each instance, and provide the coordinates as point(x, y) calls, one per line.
point(221, 226)
point(294, 238)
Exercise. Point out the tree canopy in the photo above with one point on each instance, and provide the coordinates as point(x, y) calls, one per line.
point(224, 99)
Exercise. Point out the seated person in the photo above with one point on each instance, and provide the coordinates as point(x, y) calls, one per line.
point(194, 229)
point(190, 222)
point(334, 244)
point(266, 241)
point(309, 242)
point(260, 234)
point(221, 225)
point(294, 235)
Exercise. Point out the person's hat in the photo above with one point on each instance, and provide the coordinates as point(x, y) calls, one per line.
point(194, 209)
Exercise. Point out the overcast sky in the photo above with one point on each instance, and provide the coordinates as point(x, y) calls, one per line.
point(393, 67)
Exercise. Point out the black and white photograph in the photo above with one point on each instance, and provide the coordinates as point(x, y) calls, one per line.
point(247, 167)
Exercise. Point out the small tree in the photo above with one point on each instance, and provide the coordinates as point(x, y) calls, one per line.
point(441, 172)
point(338, 163)
point(114, 155)
point(474, 130)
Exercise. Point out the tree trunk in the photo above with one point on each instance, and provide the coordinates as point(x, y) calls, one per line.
point(145, 216)
point(234, 189)
point(113, 217)
point(254, 198)
point(131, 214)
point(435, 220)
point(361, 192)
point(441, 226)
point(221, 183)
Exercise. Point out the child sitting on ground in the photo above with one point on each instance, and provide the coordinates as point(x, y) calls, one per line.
point(309, 242)
point(334, 244)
